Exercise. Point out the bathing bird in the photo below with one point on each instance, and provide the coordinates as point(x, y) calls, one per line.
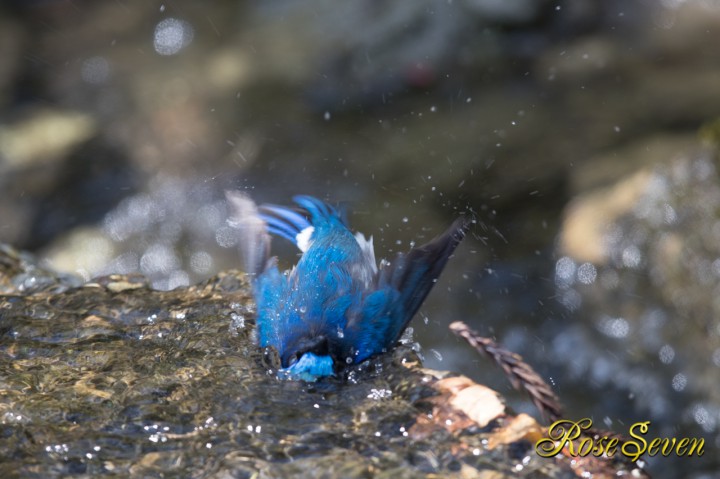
point(336, 307)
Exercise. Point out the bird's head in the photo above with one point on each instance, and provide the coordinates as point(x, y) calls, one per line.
point(307, 358)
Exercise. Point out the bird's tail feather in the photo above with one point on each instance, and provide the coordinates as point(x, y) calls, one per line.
point(283, 222)
point(415, 273)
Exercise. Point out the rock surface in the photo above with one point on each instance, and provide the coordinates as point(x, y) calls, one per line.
point(639, 265)
point(112, 378)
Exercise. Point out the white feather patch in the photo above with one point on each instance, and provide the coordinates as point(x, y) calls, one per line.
point(303, 239)
point(366, 245)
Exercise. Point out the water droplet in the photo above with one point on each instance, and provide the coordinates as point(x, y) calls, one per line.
point(666, 354)
point(586, 273)
point(201, 262)
point(679, 382)
point(237, 320)
point(614, 327)
point(669, 214)
point(171, 36)
point(95, 70)
point(631, 257)
point(565, 272)
point(716, 357)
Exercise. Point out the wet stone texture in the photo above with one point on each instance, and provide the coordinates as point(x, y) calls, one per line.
point(640, 260)
point(113, 378)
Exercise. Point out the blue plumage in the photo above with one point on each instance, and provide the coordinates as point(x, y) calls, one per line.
point(335, 307)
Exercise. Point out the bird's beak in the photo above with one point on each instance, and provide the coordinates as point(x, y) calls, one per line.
point(309, 368)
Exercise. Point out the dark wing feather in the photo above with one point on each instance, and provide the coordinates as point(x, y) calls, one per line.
point(414, 274)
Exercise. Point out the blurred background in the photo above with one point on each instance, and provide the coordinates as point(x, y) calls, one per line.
point(581, 134)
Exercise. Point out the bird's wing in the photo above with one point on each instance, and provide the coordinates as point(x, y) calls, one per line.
point(273, 318)
point(319, 211)
point(298, 225)
point(414, 274)
point(288, 224)
point(400, 288)
point(254, 238)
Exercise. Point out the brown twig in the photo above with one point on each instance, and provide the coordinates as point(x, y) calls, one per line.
point(522, 376)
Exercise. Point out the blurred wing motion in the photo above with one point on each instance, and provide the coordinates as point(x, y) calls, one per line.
point(254, 238)
point(335, 307)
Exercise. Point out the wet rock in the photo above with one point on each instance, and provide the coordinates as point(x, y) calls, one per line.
point(43, 136)
point(175, 234)
point(20, 274)
point(612, 185)
point(112, 377)
point(639, 267)
point(56, 174)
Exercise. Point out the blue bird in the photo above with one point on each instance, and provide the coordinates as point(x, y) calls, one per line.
point(335, 307)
